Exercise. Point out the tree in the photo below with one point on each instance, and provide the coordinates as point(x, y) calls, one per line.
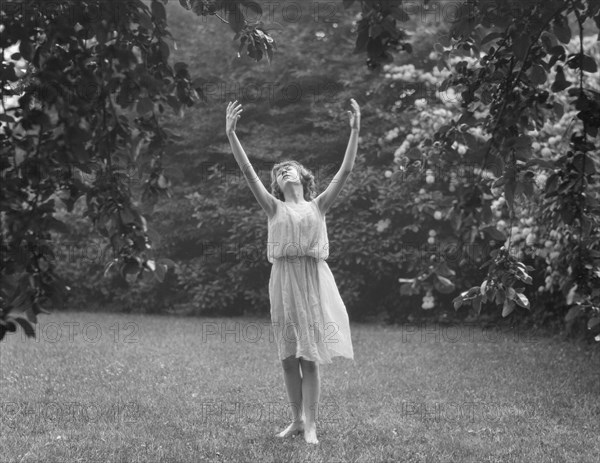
point(517, 45)
point(97, 78)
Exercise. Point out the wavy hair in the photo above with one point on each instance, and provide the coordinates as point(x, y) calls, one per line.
point(306, 178)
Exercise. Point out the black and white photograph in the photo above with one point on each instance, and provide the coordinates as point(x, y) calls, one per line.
point(300, 231)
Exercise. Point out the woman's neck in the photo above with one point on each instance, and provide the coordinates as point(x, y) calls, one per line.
point(294, 195)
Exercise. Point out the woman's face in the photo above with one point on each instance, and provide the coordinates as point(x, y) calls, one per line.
point(287, 174)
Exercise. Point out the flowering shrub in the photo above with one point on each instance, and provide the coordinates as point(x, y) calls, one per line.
point(513, 231)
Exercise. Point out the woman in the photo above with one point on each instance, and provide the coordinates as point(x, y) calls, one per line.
point(308, 315)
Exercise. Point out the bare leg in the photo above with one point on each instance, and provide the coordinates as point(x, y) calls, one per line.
point(310, 396)
point(293, 384)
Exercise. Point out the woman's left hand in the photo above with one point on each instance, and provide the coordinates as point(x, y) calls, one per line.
point(354, 116)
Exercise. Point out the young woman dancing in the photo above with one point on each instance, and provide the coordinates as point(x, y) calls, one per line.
point(308, 315)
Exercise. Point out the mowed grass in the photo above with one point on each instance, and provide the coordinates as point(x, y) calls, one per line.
point(134, 388)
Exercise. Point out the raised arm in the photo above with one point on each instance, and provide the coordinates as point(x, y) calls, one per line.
point(266, 200)
point(326, 199)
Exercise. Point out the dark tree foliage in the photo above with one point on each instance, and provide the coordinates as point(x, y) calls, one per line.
point(85, 123)
point(521, 43)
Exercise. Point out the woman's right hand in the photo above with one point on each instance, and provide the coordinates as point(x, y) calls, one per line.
point(233, 114)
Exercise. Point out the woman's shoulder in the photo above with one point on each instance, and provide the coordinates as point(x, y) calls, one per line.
point(315, 201)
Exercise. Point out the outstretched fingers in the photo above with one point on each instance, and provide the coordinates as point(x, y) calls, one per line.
point(231, 105)
point(234, 111)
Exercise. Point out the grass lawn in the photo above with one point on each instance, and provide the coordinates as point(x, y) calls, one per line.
point(133, 388)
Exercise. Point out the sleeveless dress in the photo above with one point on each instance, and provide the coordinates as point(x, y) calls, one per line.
point(308, 317)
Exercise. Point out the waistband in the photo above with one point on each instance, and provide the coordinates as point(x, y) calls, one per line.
point(293, 259)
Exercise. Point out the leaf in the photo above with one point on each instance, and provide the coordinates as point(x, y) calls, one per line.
point(131, 268)
point(562, 30)
point(163, 182)
point(573, 313)
point(407, 290)
point(253, 6)
point(589, 166)
point(145, 21)
point(53, 223)
point(540, 162)
point(167, 262)
point(494, 233)
point(476, 303)
point(499, 182)
point(491, 36)
point(520, 45)
point(537, 74)
point(549, 40)
point(164, 50)
point(443, 284)
point(508, 307)
point(31, 314)
point(362, 39)
point(414, 153)
point(136, 146)
point(557, 54)
point(126, 215)
point(160, 272)
point(399, 13)
point(499, 296)
point(235, 18)
point(443, 269)
point(158, 10)
point(145, 105)
point(375, 30)
point(559, 109)
point(589, 64)
point(174, 103)
point(26, 49)
point(511, 293)
point(524, 277)
point(483, 287)
point(522, 300)
point(27, 327)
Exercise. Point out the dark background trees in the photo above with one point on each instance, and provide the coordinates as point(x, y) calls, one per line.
point(120, 121)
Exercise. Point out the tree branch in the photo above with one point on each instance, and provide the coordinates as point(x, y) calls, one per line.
point(511, 86)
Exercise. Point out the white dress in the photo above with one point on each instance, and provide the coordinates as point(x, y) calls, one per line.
point(309, 318)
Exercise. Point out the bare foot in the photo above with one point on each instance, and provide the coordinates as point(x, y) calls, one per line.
point(310, 433)
point(295, 428)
